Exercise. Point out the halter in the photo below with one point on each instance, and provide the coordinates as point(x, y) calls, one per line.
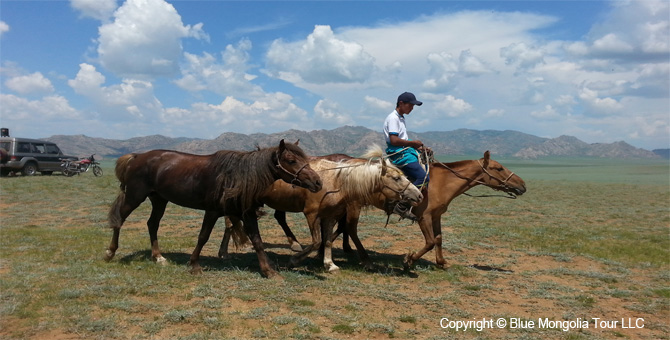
point(295, 180)
point(400, 193)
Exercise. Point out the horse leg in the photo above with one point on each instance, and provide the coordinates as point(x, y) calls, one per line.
point(251, 229)
point(352, 229)
point(342, 229)
point(437, 231)
point(314, 223)
point(223, 248)
point(326, 232)
point(280, 216)
point(120, 210)
point(426, 226)
point(208, 223)
point(158, 205)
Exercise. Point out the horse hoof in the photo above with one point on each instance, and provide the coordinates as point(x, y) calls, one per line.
point(196, 270)
point(407, 262)
point(296, 247)
point(333, 268)
point(109, 255)
point(274, 276)
point(161, 260)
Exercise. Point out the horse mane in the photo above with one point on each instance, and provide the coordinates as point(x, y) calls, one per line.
point(358, 178)
point(243, 176)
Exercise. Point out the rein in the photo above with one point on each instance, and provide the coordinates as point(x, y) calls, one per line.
point(501, 187)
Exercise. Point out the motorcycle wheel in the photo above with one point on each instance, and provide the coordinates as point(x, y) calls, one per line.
point(97, 171)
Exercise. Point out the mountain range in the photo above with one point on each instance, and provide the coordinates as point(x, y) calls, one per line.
point(354, 140)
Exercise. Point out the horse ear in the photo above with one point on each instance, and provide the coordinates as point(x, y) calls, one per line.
point(487, 158)
point(282, 146)
point(297, 142)
point(384, 166)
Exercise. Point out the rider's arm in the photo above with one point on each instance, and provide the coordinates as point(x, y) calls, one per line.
point(397, 141)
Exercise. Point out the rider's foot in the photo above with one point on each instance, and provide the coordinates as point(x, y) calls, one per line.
point(404, 209)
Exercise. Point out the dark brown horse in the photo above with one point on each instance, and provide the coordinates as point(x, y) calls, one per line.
point(224, 183)
point(447, 181)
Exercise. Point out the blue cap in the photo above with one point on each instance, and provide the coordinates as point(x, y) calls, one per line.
point(408, 97)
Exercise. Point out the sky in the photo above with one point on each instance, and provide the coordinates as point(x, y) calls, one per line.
point(595, 70)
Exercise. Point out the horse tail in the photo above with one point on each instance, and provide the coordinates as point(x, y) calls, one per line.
point(374, 151)
point(122, 167)
point(114, 216)
point(239, 236)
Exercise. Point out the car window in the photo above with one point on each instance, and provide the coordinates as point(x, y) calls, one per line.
point(5, 145)
point(52, 149)
point(38, 148)
point(23, 147)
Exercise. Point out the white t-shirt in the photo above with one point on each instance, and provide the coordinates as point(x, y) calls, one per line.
point(395, 125)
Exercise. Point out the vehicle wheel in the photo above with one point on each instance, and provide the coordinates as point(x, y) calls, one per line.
point(97, 171)
point(30, 169)
point(69, 172)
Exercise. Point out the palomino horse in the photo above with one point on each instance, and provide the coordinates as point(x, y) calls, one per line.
point(354, 182)
point(223, 183)
point(447, 181)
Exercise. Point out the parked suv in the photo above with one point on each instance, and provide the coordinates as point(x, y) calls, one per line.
point(31, 155)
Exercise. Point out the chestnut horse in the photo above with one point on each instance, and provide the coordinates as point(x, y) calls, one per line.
point(223, 183)
point(351, 183)
point(447, 181)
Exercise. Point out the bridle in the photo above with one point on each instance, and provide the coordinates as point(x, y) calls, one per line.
point(400, 193)
point(295, 180)
point(502, 187)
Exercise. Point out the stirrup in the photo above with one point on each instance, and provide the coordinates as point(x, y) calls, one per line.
point(404, 211)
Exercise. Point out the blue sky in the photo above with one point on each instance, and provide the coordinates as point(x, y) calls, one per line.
point(596, 70)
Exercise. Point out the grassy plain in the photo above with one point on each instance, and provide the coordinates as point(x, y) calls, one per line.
point(590, 239)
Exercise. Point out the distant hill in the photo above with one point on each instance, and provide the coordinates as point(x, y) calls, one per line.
point(663, 153)
point(354, 140)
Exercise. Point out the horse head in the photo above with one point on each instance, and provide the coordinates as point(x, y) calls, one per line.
point(498, 177)
point(397, 187)
point(294, 167)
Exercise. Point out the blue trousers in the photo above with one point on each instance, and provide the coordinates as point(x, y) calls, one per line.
point(416, 173)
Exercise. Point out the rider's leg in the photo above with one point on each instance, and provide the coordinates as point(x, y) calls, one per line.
point(417, 174)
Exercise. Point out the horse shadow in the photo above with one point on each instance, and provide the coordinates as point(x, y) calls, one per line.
point(244, 259)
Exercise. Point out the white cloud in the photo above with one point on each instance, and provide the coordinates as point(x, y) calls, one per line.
point(320, 58)
point(273, 110)
point(448, 105)
point(547, 113)
point(597, 105)
point(329, 112)
point(3, 28)
point(132, 98)
point(20, 109)
point(376, 104)
point(30, 84)
point(226, 78)
point(145, 39)
point(495, 113)
point(522, 55)
point(611, 43)
point(97, 9)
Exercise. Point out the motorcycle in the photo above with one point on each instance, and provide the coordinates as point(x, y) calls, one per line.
point(70, 167)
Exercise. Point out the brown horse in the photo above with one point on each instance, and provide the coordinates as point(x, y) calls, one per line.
point(354, 182)
point(223, 183)
point(447, 181)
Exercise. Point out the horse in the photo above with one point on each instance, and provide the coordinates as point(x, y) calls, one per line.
point(351, 183)
point(447, 181)
point(224, 183)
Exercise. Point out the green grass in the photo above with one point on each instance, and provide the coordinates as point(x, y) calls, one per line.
point(600, 228)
